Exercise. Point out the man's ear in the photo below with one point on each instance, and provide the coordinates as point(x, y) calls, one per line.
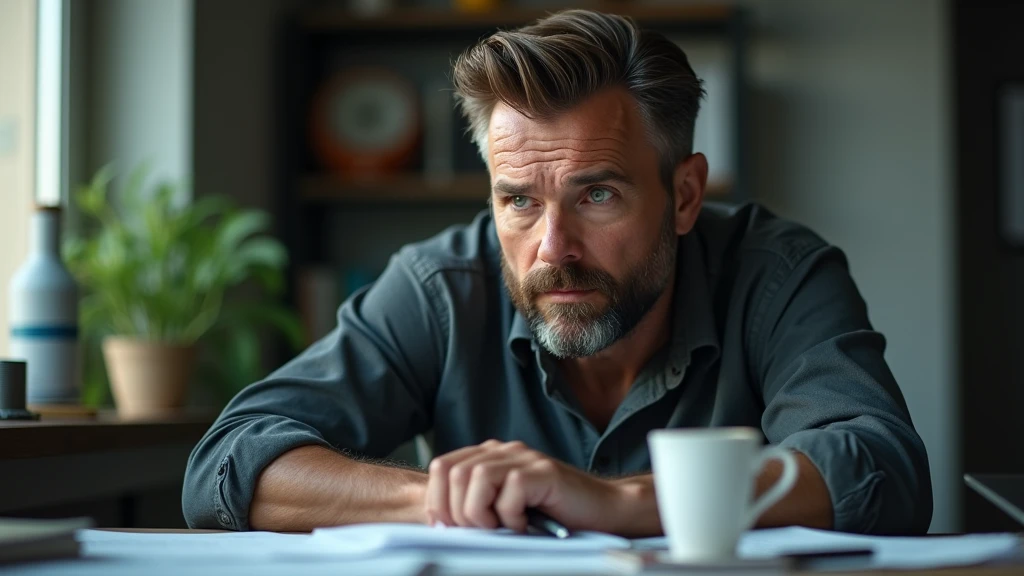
point(688, 184)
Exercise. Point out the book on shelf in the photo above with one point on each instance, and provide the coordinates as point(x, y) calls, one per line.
point(29, 539)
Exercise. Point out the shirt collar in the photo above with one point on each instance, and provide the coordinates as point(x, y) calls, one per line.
point(693, 324)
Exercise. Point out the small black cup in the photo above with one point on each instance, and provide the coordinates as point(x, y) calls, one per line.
point(12, 391)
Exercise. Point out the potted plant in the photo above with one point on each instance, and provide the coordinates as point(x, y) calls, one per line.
point(160, 274)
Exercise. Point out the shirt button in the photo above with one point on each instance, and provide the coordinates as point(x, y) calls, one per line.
point(224, 518)
point(676, 371)
point(221, 470)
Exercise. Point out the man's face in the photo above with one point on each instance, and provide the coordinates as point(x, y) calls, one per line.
point(587, 229)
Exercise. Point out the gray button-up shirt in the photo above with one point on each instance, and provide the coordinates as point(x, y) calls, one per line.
point(769, 331)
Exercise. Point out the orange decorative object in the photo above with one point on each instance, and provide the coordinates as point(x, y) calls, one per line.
point(476, 6)
point(365, 121)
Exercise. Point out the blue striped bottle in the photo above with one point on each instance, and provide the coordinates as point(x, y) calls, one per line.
point(43, 300)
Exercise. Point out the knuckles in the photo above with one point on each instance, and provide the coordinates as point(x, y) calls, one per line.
point(459, 473)
point(544, 466)
point(530, 465)
point(438, 467)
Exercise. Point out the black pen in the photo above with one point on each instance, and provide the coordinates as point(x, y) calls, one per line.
point(811, 558)
point(546, 524)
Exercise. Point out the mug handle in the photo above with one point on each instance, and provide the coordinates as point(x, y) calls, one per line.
point(781, 487)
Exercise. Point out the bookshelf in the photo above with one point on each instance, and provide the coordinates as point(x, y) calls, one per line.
point(324, 212)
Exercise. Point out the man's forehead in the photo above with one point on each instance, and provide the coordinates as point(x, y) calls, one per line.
point(601, 121)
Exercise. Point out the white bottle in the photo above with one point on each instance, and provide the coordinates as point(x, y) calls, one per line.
point(43, 313)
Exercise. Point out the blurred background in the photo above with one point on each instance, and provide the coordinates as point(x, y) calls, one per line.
point(893, 129)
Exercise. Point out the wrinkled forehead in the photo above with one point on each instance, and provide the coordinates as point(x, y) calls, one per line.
point(605, 126)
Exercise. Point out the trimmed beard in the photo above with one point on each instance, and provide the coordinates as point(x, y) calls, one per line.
point(581, 329)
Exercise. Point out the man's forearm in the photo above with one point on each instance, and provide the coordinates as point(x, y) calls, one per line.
point(312, 486)
point(807, 504)
point(637, 513)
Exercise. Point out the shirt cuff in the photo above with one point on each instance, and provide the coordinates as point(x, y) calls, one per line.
point(854, 482)
point(235, 463)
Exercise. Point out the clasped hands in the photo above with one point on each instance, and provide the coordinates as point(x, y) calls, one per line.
point(492, 484)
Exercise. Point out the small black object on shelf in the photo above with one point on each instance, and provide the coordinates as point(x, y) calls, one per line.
point(12, 391)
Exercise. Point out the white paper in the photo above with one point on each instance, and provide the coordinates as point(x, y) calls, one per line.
point(375, 538)
point(108, 543)
point(889, 552)
point(467, 549)
point(519, 563)
point(392, 565)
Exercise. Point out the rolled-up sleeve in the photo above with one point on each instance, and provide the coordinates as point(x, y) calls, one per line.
point(366, 387)
point(830, 395)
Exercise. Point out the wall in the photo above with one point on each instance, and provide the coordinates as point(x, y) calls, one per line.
point(140, 88)
point(851, 136)
point(235, 42)
point(17, 141)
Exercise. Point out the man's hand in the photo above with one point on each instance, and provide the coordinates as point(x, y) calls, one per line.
point(492, 485)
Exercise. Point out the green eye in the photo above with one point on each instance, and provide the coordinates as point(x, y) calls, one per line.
point(600, 195)
point(520, 201)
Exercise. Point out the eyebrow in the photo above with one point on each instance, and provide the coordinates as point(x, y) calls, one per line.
point(591, 178)
point(507, 188)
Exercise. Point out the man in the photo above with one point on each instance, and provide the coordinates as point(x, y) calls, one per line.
point(595, 301)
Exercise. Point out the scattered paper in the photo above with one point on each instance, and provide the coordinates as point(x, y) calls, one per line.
point(470, 549)
point(374, 538)
point(889, 552)
point(110, 543)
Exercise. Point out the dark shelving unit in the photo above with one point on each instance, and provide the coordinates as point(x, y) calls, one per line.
point(315, 43)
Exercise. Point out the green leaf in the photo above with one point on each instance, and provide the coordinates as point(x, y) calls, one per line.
point(237, 227)
point(208, 207)
point(92, 197)
point(281, 320)
point(270, 279)
point(131, 196)
point(244, 351)
point(254, 253)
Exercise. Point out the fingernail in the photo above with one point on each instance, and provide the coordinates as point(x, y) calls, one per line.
point(439, 524)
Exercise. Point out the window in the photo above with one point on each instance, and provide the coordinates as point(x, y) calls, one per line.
point(32, 146)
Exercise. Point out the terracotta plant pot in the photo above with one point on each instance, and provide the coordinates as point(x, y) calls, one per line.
point(148, 379)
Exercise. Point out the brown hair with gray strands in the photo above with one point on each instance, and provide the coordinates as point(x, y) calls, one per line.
point(547, 68)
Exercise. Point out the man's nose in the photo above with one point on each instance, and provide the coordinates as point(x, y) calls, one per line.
point(561, 243)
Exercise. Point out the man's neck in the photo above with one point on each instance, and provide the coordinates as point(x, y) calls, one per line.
point(602, 381)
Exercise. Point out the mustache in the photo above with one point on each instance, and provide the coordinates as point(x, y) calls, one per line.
point(571, 277)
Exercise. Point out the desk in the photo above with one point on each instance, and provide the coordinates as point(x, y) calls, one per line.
point(55, 462)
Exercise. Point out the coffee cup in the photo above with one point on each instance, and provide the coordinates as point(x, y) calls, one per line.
point(704, 482)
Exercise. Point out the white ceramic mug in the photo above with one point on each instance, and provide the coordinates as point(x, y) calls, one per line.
point(704, 481)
